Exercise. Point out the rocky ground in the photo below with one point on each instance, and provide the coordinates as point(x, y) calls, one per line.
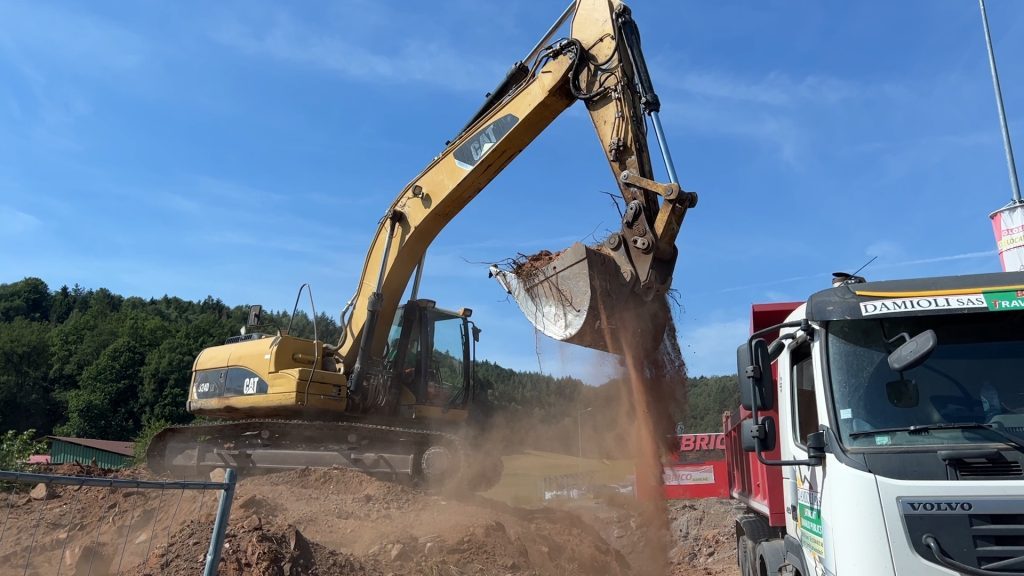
point(334, 521)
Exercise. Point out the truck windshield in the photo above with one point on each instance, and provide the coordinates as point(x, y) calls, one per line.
point(975, 374)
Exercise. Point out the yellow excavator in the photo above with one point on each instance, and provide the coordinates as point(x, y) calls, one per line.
point(404, 403)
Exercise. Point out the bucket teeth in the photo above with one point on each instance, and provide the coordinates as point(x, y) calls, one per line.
point(581, 296)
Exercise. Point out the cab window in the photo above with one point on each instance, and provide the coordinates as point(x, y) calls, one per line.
point(805, 405)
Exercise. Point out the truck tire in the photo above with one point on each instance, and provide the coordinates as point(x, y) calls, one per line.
point(751, 530)
point(744, 555)
point(771, 557)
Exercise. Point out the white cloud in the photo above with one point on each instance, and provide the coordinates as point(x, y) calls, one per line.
point(710, 349)
point(885, 250)
point(773, 110)
point(34, 31)
point(775, 89)
point(949, 258)
point(749, 121)
point(14, 222)
point(50, 49)
point(420, 60)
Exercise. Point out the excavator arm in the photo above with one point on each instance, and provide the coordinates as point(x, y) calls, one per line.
point(600, 64)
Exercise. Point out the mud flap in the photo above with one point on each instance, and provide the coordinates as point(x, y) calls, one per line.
point(582, 297)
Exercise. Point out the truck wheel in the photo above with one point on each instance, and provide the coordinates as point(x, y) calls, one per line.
point(751, 530)
point(744, 553)
point(771, 556)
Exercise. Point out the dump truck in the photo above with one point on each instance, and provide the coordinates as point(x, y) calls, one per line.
point(881, 430)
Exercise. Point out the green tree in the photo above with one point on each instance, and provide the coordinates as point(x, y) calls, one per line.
point(25, 390)
point(150, 428)
point(709, 397)
point(106, 403)
point(16, 447)
point(29, 299)
point(75, 345)
point(165, 381)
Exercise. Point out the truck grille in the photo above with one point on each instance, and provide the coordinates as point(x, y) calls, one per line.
point(974, 531)
point(987, 469)
point(998, 537)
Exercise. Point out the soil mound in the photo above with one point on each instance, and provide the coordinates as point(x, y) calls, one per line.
point(409, 532)
point(251, 549)
point(298, 523)
point(705, 537)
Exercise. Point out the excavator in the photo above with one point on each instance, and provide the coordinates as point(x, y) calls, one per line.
point(404, 403)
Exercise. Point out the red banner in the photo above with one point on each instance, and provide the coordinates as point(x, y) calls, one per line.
point(698, 468)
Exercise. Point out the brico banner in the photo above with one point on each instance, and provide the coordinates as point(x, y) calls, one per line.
point(688, 475)
point(1008, 227)
point(697, 442)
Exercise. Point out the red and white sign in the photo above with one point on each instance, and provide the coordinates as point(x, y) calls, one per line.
point(688, 475)
point(1008, 227)
point(695, 442)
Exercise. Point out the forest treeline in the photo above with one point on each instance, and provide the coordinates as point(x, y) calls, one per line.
point(91, 363)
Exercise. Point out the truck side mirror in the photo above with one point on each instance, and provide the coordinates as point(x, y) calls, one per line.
point(754, 375)
point(758, 438)
point(255, 315)
point(816, 448)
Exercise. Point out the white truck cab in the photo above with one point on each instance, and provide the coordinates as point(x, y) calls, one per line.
point(882, 430)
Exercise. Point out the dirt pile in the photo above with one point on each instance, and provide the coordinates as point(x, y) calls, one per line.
point(302, 522)
point(703, 534)
point(414, 533)
point(254, 548)
point(700, 539)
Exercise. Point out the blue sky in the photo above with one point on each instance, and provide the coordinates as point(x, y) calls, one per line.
point(238, 149)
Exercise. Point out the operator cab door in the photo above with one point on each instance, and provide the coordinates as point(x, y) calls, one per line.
point(428, 357)
point(799, 409)
point(448, 365)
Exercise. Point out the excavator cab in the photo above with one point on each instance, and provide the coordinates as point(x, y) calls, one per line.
point(429, 361)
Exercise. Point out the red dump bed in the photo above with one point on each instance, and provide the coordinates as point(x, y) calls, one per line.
point(757, 485)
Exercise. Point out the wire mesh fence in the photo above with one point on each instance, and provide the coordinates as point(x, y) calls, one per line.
point(96, 526)
point(566, 486)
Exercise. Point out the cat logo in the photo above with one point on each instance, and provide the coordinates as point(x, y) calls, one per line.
point(477, 146)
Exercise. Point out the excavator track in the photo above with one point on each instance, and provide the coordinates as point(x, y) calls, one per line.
point(425, 458)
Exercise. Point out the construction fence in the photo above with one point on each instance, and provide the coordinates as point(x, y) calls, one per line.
point(95, 526)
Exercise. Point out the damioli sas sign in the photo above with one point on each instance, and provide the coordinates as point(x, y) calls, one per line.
point(900, 305)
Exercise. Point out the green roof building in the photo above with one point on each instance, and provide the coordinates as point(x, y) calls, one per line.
point(102, 453)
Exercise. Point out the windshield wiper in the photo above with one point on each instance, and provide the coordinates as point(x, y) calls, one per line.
point(1011, 439)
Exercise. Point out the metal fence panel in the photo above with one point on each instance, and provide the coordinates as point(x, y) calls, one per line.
point(56, 521)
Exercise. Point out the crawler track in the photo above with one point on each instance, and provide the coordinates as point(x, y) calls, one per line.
point(428, 458)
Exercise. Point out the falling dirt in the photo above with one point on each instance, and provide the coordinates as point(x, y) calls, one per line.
point(655, 378)
point(643, 334)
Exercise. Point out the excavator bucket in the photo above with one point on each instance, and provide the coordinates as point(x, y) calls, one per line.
point(581, 296)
